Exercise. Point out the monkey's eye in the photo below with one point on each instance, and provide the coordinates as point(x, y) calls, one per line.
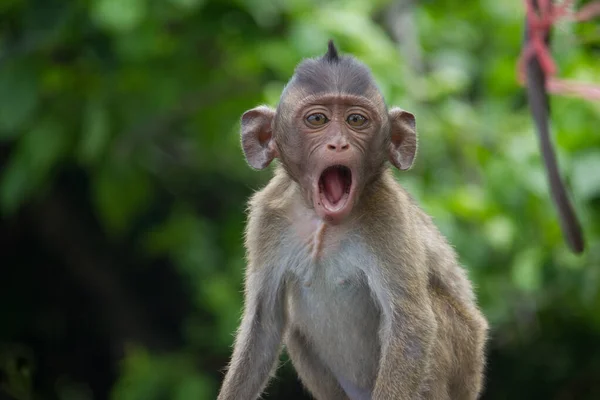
point(356, 120)
point(317, 119)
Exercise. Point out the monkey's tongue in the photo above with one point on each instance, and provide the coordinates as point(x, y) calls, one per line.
point(335, 183)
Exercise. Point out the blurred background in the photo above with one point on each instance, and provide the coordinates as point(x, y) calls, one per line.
point(123, 186)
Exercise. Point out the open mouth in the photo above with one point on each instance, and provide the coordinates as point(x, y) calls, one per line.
point(334, 187)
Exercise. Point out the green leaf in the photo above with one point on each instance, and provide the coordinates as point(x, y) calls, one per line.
point(146, 376)
point(141, 378)
point(119, 15)
point(18, 97)
point(586, 175)
point(95, 132)
point(36, 155)
point(500, 232)
point(526, 270)
point(192, 387)
point(469, 202)
point(188, 5)
point(121, 193)
point(14, 186)
point(44, 145)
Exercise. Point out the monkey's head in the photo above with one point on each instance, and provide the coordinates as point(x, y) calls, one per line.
point(332, 132)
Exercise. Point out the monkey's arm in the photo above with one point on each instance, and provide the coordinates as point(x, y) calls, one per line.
point(407, 336)
point(258, 340)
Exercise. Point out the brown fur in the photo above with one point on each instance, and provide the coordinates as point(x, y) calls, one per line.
point(371, 305)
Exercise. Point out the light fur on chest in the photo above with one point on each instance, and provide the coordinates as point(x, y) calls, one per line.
point(329, 300)
point(312, 249)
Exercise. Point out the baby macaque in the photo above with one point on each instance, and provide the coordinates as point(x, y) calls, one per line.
point(344, 269)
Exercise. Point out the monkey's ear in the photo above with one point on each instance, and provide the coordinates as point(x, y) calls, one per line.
point(403, 146)
point(257, 137)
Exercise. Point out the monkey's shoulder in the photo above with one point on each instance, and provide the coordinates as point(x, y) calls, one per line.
point(270, 205)
point(268, 217)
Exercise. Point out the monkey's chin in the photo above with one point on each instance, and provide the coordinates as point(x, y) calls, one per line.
point(333, 214)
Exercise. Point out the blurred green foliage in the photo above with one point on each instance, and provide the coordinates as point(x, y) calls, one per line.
point(143, 97)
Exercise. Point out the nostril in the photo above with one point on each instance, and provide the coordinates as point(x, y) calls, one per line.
point(338, 147)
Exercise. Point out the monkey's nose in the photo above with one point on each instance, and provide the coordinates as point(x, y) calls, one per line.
point(338, 146)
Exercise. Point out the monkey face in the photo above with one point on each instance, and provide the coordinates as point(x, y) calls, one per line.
point(332, 146)
point(332, 132)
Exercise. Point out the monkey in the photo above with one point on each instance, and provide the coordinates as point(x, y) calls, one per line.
point(344, 269)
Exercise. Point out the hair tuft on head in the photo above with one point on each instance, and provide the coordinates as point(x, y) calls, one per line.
point(332, 53)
